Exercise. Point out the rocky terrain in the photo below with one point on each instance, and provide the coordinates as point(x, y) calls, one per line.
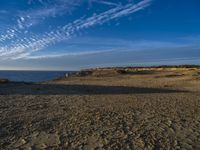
point(121, 108)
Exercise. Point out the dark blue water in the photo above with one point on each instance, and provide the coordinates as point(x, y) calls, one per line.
point(32, 76)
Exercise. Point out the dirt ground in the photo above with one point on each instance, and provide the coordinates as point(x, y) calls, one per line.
point(142, 110)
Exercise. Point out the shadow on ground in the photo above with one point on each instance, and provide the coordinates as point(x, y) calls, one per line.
point(61, 89)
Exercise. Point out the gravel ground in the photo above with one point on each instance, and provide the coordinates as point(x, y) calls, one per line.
point(159, 110)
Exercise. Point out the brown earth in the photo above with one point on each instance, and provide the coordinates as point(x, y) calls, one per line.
point(147, 109)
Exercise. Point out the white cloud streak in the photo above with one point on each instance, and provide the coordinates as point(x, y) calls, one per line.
point(105, 2)
point(29, 18)
point(33, 17)
point(70, 54)
point(25, 47)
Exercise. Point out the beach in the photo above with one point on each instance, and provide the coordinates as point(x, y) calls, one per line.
point(143, 108)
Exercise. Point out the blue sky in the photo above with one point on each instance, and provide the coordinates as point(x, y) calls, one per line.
point(76, 34)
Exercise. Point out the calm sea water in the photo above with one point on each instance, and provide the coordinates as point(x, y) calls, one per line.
point(31, 76)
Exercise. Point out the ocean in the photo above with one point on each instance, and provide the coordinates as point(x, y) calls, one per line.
point(31, 76)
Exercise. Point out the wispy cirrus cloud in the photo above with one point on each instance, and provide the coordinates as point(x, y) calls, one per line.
point(104, 2)
point(28, 45)
point(58, 8)
point(32, 17)
point(94, 46)
point(70, 54)
point(35, 16)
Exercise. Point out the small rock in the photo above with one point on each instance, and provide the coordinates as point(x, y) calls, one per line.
point(19, 143)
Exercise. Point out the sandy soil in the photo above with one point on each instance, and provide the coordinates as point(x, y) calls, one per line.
point(147, 109)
